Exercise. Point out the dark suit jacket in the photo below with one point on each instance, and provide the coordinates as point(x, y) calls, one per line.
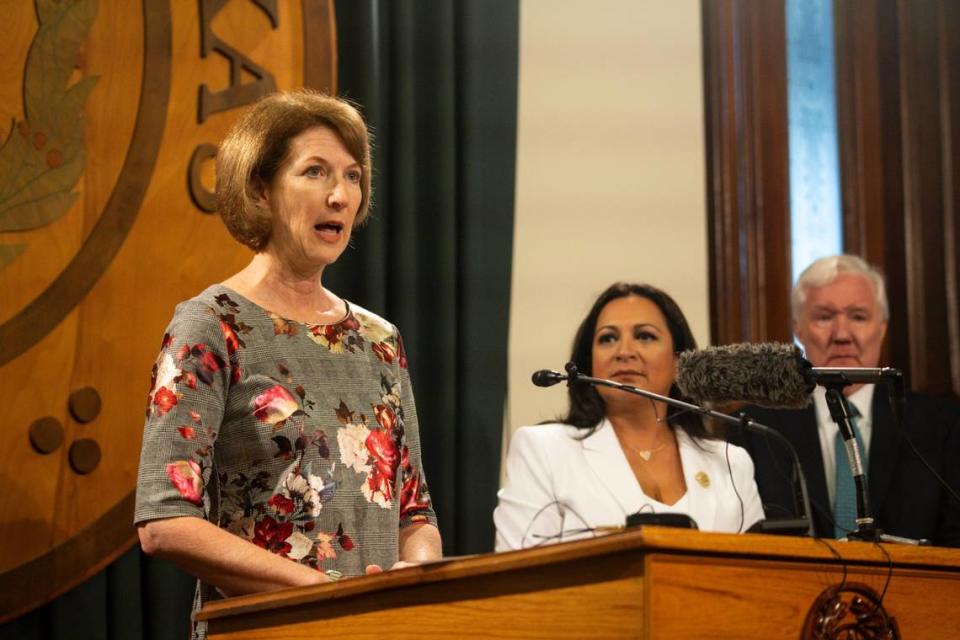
point(905, 498)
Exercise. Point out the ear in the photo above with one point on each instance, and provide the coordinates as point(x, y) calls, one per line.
point(260, 193)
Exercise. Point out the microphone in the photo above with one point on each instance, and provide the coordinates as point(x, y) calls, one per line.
point(765, 374)
point(547, 377)
point(774, 375)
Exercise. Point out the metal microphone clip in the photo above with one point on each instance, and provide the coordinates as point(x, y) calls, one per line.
point(572, 373)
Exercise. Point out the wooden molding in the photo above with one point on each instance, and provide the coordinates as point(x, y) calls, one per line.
point(747, 170)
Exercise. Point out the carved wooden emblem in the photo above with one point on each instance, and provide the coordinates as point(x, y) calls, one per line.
point(110, 111)
point(849, 612)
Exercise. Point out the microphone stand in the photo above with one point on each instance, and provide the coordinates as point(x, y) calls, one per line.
point(840, 414)
point(573, 375)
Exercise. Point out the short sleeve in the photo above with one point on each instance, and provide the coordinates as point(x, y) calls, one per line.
point(415, 503)
point(185, 407)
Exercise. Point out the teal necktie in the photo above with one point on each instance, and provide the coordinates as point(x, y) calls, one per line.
point(845, 498)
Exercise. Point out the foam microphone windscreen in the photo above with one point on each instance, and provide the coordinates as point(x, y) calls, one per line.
point(764, 374)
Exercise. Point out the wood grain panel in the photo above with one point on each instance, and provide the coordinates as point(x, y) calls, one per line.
point(647, 582)
point(898, 84)
point(66, 326)
point(769, 600)
point(747, 170)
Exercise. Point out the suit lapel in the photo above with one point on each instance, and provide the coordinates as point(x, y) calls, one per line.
point(701, 487)
point(883, 449)
point(805, 436)
point(606, 459)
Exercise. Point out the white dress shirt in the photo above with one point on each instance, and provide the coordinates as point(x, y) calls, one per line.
point(862, 399)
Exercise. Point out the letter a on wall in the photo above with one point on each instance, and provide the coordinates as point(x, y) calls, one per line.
point(110, 112)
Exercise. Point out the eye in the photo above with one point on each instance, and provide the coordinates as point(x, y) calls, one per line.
point(314, 171)
point(645, 335)
point(606, 337)
point(354, 176)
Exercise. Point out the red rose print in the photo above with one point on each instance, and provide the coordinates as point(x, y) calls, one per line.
point(189, 379)
point(211, 361)
point(272, 535)
point(412, 499)
point(185, 476)
point(332, 333)
point(401, 353)
point(281, 504)
point(274, 405)
point(383, 450)
point(384, 352)
point(385, 416)
point(164, 399)
point(188, 433)
point(383, 456)
point(230, 336)
point(345, 541)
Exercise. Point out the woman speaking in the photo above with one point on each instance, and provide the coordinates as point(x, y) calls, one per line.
point(281, 444)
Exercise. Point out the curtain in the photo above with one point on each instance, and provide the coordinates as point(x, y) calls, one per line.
point(437, 81)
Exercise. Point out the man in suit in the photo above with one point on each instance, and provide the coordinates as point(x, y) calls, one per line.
point(840, 314)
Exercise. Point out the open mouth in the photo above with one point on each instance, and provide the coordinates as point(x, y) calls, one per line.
point(329, 228)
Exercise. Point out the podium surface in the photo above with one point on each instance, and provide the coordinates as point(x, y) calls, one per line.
point(650, 582)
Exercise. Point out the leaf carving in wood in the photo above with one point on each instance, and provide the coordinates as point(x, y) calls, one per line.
point(43, 156)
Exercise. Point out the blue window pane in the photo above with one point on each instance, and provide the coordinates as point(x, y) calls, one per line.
point(815, 212)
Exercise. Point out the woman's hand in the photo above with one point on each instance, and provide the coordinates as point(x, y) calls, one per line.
point(233, 565)
point(400, 564)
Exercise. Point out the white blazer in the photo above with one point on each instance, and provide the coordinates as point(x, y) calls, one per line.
point(558, 483)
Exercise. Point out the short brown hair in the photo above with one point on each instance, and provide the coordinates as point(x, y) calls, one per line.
point(258, 144)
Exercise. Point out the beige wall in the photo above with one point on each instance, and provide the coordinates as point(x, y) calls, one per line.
point(610, 174)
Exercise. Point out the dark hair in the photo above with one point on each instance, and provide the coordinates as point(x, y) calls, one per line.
point(587, 407)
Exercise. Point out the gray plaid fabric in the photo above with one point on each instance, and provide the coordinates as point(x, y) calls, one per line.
point(302, 439)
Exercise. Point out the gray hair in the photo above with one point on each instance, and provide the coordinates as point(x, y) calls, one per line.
point(825, 270)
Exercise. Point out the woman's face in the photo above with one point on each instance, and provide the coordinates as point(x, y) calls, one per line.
point(632, 345)
point(314, 199)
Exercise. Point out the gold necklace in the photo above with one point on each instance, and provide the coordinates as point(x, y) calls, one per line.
point(646, 454)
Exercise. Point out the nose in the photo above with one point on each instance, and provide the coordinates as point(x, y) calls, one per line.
point(626, 350)
point(337, 198)
point(841, 328)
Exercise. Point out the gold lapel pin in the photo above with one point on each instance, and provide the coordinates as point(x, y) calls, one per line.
point(703, 479)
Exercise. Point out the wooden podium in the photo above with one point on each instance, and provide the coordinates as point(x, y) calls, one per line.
point(650, 582)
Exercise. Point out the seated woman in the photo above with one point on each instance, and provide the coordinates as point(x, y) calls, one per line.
point(617, 453)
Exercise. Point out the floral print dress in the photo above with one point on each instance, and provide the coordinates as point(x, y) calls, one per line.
point(301, 439)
